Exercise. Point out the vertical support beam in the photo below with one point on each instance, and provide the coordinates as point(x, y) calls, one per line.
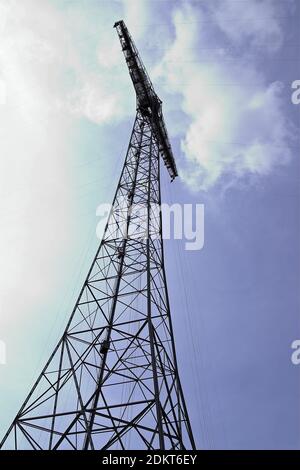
point(88, 438)
point(150, 324)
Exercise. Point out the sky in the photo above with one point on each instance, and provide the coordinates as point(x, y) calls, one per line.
point(224, 70)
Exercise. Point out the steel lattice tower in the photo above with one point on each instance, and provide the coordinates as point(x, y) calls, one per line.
point(112, 381)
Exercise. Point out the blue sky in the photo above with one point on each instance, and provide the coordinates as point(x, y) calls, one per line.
point(224, 71)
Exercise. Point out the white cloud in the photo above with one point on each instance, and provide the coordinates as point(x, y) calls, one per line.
point(256, 22)
point(137, 16)
point(46, 81)
point(3, 93)
point(55, 69)
point(33, 174)
point(237, 125)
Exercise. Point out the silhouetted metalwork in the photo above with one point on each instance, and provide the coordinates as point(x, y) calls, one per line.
point(112, 381)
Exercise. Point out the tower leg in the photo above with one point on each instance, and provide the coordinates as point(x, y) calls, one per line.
point(112, 381)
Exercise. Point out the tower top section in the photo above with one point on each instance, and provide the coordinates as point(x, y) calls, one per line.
point(148, 103)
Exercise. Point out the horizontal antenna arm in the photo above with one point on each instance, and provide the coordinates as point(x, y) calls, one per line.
point(148, 103)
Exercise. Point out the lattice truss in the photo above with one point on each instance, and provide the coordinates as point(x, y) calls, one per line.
point(112, 380)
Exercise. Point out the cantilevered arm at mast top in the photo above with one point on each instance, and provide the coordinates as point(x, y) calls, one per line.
point(148, 103)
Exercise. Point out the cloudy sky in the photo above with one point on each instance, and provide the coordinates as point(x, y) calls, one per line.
point(223, 69)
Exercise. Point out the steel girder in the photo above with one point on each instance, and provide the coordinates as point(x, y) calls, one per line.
point(112, 381)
